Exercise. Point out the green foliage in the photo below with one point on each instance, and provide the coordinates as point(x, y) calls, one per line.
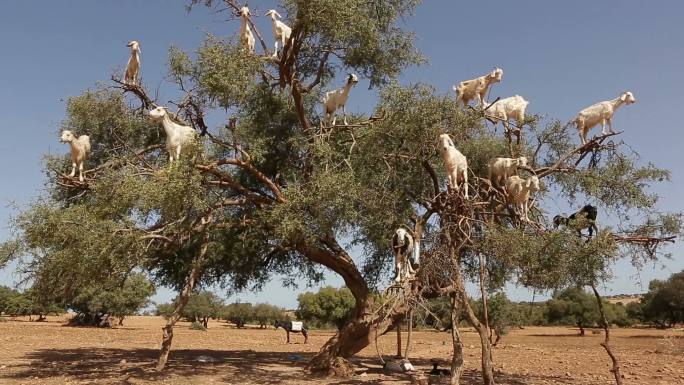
point(663, 304)
point(329, 306)
point(94, 304)
point(165, 310)
point(265, 314)
point(16, 303)
point(502, 314)
point(202, 306)
point(198, 326)
point(573, 306)
point(238, 313)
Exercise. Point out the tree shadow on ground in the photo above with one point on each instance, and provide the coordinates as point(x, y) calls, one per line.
point(468, 377)
point(122, 366)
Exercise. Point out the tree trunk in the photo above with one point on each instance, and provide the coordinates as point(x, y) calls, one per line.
point(581, 328)
point(482, 330)
point(483, 292)
point(399, 344)
point(606, 342)
point(365, 322)
point(183, 298)
point(354, 336)
point(121, 320)
point(497, 339)
point(408, 335)
point(457, 358)
point(487, 366)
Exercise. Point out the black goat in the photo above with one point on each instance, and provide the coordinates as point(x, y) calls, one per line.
point(290, 326)
point(587, 213)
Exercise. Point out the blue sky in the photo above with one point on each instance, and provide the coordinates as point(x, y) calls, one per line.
point(561, 56)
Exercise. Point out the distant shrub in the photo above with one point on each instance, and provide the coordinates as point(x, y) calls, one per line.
point(198, 326)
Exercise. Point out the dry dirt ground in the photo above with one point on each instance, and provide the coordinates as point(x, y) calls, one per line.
point(49, 353)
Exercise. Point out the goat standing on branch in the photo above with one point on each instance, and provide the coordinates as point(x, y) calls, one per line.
point(508, 108)
point(336, 99)
point(80, 150)
point(601, 112)
point(246, 36)
point(455, 163)
point(281, 32)
point(133, 65)
point(499, 169)
point(518, 191)
point(477, 88)
point(402, 246)
point(178, 136)
point(587, 217)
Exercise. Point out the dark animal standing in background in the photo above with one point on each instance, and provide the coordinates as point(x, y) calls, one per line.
point(295, 327)
point(588, 212)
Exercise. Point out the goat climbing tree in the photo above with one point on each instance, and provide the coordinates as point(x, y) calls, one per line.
point(275, 191)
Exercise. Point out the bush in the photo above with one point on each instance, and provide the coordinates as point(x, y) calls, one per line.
point(198, 326)
point(330, 306)
point(239, 313)
point(94, 305)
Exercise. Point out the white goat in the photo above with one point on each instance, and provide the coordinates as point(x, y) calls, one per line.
point(246, 35)
point(133, 65)
point(518, 192)
point(178, 136)
point(336, 99)
point(508, 108)
point(601, 112)
point(455, 163)
point(499, 169)
point(402, 245)
point(80, 150)
point(477, 88)
point(281, 32)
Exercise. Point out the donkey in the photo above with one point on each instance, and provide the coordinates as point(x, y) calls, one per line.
point(293, 326)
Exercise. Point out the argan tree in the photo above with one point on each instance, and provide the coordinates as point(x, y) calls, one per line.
point(273, 189)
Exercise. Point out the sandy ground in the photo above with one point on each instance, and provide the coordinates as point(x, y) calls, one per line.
point(49, 353)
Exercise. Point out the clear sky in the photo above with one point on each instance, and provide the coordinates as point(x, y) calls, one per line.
point(561, 56)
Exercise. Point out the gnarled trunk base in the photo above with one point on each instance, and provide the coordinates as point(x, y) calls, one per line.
point(356, 335)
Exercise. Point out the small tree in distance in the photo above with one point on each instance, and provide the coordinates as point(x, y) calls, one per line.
point(573, 306)
point(329, 306)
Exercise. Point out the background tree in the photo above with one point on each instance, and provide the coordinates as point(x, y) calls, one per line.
point(573, 306)
point(202, 306)
point(16, 303)
point(94, 305)
point(329, 306)
point(663, 304)
point(239, 313)
point(266, 314)
point(502, 315)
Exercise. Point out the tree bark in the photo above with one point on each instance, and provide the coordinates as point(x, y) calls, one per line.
point(485, 294)
point(408, 335)
point(482, 329)
point(365, 321)
point(183, 297)
point(457, 358)
point(399, 344)
point(606, 341)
